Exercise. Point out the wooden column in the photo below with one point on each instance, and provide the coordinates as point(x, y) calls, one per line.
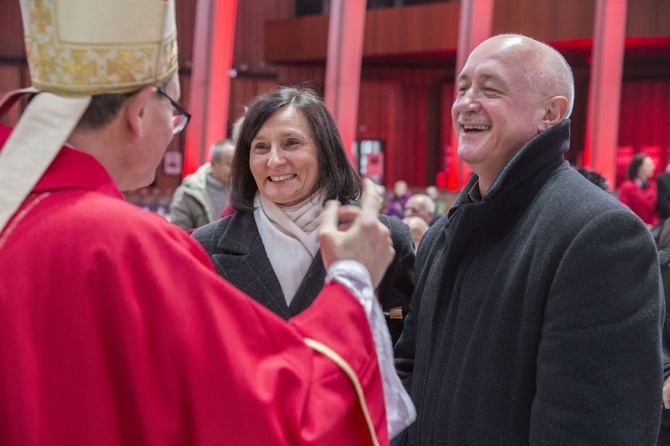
point(475, 23)
point(602, 124)
point(343, 66)
point(210, 79)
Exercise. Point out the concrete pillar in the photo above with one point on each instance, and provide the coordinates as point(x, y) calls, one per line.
point(343, 66)
point(210, 79)
point(475, 23)
point(602, 124)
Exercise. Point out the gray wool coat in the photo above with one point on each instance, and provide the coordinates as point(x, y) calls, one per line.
point(237, 251)
point(537, 314)
point(189, 208)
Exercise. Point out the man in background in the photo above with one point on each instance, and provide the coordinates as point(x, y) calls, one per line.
point(204, 194)
point(395, 204)
point(421, 205)
point(417, 226)
point(440, 206)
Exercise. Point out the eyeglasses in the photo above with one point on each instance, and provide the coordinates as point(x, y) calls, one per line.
point(181, 118)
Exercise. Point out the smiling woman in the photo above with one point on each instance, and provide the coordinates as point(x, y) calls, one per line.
point(288, 161)
point(283, 159)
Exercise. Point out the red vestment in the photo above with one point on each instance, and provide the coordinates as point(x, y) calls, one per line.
point(114, 329)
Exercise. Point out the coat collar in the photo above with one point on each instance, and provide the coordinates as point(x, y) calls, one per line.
point(528, 169)
point(241, 259)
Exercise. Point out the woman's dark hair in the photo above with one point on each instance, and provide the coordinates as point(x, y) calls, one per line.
point(336, 179)
point(634, 165)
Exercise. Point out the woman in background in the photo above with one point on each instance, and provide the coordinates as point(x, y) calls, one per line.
point(289, 160)
point(638, 192)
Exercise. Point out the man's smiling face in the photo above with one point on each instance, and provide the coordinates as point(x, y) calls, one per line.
point(497, 109)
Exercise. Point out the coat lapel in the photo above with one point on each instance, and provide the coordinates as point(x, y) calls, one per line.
point(240, 258)
point(310, 286)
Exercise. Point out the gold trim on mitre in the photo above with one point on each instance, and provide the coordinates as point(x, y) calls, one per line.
point(88, 47)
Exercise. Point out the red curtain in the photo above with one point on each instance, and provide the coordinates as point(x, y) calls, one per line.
point(645, 119)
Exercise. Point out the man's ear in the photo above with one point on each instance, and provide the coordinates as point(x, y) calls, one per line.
point(554, 112)
point(136, 109)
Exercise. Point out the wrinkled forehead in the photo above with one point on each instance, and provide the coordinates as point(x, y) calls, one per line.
point(503, 59)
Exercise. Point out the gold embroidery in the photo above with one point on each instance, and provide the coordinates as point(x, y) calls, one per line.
point(41, 17)
point(79, 67)
point(127, 65)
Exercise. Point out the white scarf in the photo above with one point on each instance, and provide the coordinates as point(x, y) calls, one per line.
point(290, 239)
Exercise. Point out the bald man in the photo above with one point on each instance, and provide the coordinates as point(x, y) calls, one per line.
point(538, 308)
point(417, 226)
point(421, 205)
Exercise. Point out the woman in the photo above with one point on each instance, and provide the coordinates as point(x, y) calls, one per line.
point(395, 206)
point(638, 192)
point(289, 160)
